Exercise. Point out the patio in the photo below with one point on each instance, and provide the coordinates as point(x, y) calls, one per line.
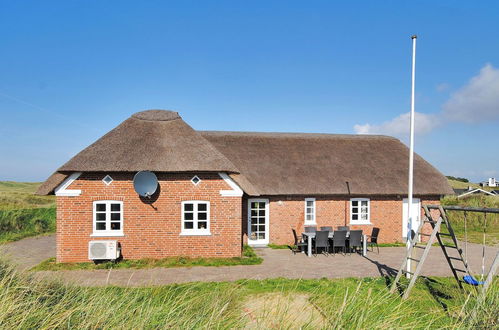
point(277, 263)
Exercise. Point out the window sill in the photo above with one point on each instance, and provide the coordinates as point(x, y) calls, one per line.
point(108, 234)
point(194, 233)
point(310, 223)
point(360, 223)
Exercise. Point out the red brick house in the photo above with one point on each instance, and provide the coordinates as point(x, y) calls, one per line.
point(218, 190)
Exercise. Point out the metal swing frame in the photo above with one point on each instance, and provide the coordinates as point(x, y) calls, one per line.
point(436, 233)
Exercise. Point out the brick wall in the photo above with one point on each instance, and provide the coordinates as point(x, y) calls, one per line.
point(288, 212)
point(151, 229)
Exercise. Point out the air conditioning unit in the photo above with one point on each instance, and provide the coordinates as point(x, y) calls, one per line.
point(103, 250)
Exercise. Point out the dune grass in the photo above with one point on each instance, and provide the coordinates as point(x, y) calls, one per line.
point(463, 185)
point(27, 302)
point(16, 224)
point(249, 258)
point(23, 214)
point(475, 222)
point(20, 195)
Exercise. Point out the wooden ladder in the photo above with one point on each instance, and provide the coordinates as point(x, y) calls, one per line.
point(414, 244)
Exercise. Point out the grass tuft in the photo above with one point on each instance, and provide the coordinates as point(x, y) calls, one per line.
point(249, 258)
point(278, 246)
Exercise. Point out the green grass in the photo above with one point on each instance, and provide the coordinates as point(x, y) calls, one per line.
point(284, 246)
point(20, 195)
point(20, 223)
point(27, 302)
point(22, 213)
point(278, 246)
point(249, 258)
point(475, 222)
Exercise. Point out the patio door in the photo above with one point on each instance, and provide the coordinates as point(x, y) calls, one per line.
point(416, 216)
point(258, 221)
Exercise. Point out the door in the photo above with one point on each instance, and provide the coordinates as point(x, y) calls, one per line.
point(416, 216)
point(258, 221)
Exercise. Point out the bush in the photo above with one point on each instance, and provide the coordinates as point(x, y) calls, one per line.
point(19, 223)
point(450, 177)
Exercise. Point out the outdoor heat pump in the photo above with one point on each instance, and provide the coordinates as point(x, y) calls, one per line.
point(103, 250)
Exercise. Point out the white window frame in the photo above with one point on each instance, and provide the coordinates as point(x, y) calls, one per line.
point(195, 231)
point(359, 221)
point(198, 180)
point(108, 232)
point(310, 222)
point(104, 180)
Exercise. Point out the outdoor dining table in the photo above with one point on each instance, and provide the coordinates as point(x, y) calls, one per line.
point(310, 236)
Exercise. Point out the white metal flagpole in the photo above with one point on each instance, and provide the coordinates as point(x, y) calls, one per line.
point(411, 153)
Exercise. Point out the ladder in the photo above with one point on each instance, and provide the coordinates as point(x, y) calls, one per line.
point(446, 247)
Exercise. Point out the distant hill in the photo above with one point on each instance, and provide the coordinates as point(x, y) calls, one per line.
point(462, 185)
point(22, 195)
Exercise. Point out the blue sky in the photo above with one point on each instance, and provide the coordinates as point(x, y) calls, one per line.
point(72, 70)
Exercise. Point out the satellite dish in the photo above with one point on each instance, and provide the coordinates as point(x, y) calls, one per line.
point(145, 183)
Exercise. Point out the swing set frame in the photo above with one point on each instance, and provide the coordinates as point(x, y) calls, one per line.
point(495, 264)
point(436, 221)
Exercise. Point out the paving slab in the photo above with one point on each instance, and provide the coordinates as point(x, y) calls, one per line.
point(277, 263)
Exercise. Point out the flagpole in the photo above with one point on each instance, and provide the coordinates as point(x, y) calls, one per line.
point(411, 153)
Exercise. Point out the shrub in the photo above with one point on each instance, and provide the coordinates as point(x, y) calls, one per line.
point(450, 177)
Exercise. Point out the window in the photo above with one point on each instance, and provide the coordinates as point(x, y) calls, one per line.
point(195, 180)
point(195, 218)
point(107, 180)
point(108, 218)
point(310, 211)
point(359, 211)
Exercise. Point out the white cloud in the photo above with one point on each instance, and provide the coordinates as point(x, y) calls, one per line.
point(442, 87)
point(477, 101)
point(399, 126)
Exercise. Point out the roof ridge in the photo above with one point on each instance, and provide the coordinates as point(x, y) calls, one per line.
point(295, 134)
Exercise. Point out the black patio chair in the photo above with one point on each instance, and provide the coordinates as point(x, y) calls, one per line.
point(347, 228)
point(310, 229)
point(355, 240)
point(340, 240)
point(373, 239)
point(321, 241)
point(298, 245)
point(328, 228)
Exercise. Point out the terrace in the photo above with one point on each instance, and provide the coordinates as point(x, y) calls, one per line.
point(276, 263)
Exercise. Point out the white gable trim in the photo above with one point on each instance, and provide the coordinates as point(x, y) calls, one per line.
point(61, 189)
point(235, 192)
point(474, 191)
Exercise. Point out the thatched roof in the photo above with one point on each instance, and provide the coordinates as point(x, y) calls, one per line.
point(261, 163)
point(51, 183)
point(316, 164)
point(154, 140)
point(151, 140)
